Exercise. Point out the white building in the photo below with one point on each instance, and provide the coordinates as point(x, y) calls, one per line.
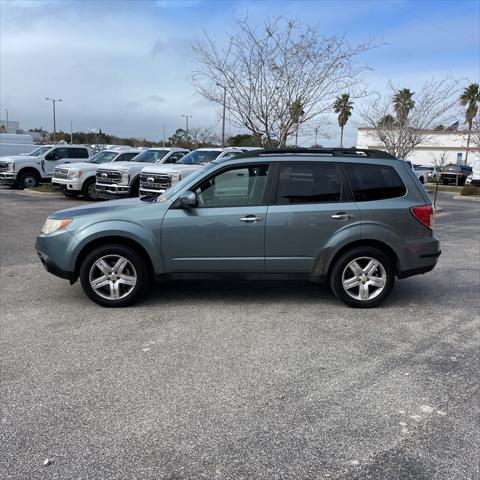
point(13, 126)
point(438, 147)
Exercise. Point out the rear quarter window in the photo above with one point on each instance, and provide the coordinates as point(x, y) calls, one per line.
point(374, 182)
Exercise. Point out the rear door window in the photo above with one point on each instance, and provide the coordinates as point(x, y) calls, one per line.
point(373, 182)
point(311, 182)
point(77, 153)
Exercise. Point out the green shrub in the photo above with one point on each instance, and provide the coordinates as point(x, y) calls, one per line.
point(470, 190)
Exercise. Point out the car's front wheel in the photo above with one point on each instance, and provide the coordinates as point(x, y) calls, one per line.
point(113, 275)
point(89, 191)
point(362, 277)
point(28, 180)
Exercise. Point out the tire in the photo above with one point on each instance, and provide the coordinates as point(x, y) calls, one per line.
point(134, 270)
point(422, 180)
point(88, 189)
point(134, 192)
point(342, 271)
point(28, 179)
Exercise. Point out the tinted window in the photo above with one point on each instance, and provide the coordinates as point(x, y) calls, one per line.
point(126, 157)
point(199, 156)
point(59, 153)
point(236, 187)
point(308, 183)
point(374, 182)
point(77, 153)
point(102, 157)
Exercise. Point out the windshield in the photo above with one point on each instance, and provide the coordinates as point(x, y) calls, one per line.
point(151, 156)
point(39, 151)
point(102, 157)
point(181, 184)
point(199, 156)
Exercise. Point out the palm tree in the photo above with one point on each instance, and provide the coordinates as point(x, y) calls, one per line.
point(343, 106)
point(403, 103)
point(470, 98)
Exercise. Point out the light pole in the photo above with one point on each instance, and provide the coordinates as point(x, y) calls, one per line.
point(224, 107)
point(186, 130)
point(6, 113)
point(54, 100)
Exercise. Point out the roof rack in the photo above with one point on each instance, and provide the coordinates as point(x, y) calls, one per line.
point(334, 152)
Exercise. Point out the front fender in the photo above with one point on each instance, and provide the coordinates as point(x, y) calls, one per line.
point(119, 228)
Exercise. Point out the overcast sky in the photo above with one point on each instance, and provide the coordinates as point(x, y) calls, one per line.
point(123, 66)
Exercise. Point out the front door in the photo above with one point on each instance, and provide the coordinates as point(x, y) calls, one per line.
point(55, 157)
point(225, 232)
point(312, 205)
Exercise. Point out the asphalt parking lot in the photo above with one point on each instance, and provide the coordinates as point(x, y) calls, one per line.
point(239, 380)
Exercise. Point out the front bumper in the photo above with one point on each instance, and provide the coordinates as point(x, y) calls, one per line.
point(66, 184)
point(54, 252)
point(146, 192)
point(109, 191)
point(8, 178)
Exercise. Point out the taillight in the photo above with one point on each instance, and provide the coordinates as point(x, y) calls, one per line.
point(424, 214)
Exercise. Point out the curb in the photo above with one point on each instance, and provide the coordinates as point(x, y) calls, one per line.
point(470, 198)
point(31, 191)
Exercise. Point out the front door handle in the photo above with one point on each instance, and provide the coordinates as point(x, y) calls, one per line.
point(342, 216)
point(251, 219)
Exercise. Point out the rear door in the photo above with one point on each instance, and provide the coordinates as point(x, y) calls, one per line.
point(226, 231)
point(312, 203)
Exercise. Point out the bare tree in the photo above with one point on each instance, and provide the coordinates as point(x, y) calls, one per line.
point(277, 77)
point(441, 160)
point(433, 103)
point(203, 136)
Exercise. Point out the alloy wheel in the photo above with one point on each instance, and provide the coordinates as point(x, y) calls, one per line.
point(112, 277)
point(364, 278)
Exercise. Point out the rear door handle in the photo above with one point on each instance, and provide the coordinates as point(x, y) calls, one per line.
point(342, 216)
point(251, 219)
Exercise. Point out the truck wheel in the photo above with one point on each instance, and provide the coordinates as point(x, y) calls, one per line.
point(362, 277)
point(135, 188)
point(88, 190)
point(113, 275)
point(28, 180)
point(422, 180)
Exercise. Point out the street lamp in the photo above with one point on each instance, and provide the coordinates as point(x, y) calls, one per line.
point(186, 130)
point(53, 100)
point(224, 107)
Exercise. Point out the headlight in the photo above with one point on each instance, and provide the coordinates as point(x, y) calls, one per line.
point(125, 177)
point(175, 177)
point(10, 166)
point(51, 225)
point(74, 174)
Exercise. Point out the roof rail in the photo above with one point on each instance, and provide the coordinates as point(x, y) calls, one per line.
point(334, 152)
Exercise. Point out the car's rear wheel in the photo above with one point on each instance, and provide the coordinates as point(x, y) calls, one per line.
point(89, 192)
point(28, 180)
point(362, 277)
point(113, 275)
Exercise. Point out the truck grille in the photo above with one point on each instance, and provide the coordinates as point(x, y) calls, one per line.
point(60, 173)
point(3, 166)
point(155, 181)
point(107, 176)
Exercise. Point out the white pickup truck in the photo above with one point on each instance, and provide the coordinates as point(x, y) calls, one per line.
point(79, 178)
point(422, 172)
point(122, 179)
point(155, 179)
point(27, 171)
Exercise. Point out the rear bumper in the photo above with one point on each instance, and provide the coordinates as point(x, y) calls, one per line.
point(431, 261)
point(8, 178)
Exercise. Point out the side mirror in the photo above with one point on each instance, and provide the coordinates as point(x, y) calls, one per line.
point(188, 199)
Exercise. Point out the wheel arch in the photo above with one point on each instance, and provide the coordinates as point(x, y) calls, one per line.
point(382, 246)
point(30, 169)
point(110, 240)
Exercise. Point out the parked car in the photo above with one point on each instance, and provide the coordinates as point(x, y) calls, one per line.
point(354, 218)
point(450, 173)
point(80, 178)
point(27, 171)
point(155, 179)
point(120, 180)
point(423, 173)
